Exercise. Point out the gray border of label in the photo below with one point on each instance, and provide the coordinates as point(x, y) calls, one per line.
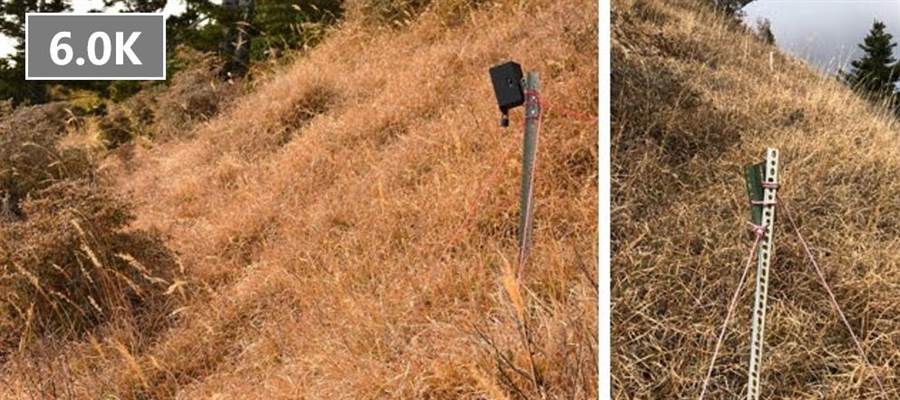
point(92, 78)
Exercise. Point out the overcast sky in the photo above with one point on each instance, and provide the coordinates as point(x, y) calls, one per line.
point(172, 7)
point(825, 32)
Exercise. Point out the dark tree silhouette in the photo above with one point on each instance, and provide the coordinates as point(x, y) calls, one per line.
point(12, 69)
point(764, 31)
point(731, 7)
point(877, 72)
point(138, 5)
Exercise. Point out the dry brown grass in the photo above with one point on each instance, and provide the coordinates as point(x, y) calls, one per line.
point(69, 265)
point(694, 99)
point(191, 97)
point(318, 223)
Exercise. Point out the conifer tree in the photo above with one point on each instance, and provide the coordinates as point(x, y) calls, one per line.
point(877, 71)
point(731, 7)
point(138, 5)
point(764, 31)
point(12, 69)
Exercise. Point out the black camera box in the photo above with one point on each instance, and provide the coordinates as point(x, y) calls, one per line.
point(507, 81)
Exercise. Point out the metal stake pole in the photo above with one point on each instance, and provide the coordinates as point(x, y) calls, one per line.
point(526, 199)
point(764, 257)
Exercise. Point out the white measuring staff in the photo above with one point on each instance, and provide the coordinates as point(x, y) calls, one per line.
point(765, 253)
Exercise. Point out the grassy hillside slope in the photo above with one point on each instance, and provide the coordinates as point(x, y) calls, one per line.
point(694, 99)
point(347, 229)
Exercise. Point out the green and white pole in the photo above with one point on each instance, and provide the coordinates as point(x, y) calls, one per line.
point(764, 256)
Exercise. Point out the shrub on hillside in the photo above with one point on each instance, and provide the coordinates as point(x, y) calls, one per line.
point(29, 160)
point(70, 265)
point(6, 108)
point(67, 262)
point(194, 94)
point(395, 13)
point(117, 126)
point(389, 12)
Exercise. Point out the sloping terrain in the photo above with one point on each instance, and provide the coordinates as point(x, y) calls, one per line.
point(696, 97)
point(347, 229)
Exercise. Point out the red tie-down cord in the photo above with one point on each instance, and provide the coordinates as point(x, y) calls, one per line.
point(759, 231)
